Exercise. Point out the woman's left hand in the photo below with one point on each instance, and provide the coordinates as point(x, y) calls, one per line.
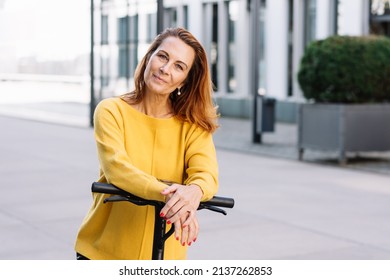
point(180, 209)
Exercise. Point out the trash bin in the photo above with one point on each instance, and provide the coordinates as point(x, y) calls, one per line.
point(265, 114)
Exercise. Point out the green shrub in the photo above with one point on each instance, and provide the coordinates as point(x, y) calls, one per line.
point(344, 69)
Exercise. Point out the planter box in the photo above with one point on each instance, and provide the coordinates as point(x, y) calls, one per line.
point(344, 128)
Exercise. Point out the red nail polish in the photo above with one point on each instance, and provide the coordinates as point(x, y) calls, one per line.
point(194, 239)
point(189, 244)
point(183, 244)
point(177, 238)
point(162, 214)
point(168, 222)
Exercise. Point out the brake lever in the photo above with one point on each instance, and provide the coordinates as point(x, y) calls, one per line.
point(117, 198)
point(213, 208)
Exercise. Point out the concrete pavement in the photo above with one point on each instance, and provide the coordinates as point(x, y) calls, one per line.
point(234, 134)
point(285, 209)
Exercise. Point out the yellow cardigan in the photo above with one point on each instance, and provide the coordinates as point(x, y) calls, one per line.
point(134, 150)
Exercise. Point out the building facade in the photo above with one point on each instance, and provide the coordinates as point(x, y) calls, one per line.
point(254, 46)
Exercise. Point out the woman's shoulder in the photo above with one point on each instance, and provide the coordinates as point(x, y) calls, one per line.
point(109, 102)
point(109, 108)
point(194, 130)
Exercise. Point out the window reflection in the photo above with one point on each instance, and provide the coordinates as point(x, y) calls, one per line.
point(380, 7)
point(214, 47)
point(310, 26)
point(233, 17)
point(380, 17)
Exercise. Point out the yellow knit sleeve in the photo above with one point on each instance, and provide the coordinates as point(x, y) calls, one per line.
point(115, 163)
point(201, 163)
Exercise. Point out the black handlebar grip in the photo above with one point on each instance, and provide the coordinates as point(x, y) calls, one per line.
point(219, 201)
point(106, 188)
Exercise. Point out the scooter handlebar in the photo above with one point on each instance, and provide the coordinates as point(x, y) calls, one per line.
point(217, 201)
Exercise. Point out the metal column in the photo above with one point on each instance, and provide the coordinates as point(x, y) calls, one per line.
point(92, 102)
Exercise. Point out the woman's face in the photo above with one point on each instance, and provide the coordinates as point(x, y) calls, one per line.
point(168, 66)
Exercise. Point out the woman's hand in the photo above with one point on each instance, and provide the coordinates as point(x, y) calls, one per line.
point(189, 232)
point(180, 209)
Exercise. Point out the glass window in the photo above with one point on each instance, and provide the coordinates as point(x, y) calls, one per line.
point(335, 16)
point(123, 58)
point(170, 17)
point(122, 30)
point(214, 47)
point(380, 17)
point(210, 38)
point(104, 58)
point(185, 16)
point(310, 21)
point(104, 29)
point(122, 63)
point(127, 45)
point(104, 70)
point(232, 50)
point(133, 43)
point(380, 7)
point(151, 26)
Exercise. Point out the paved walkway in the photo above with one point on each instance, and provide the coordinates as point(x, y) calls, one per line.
point(284, 209)
point(234, 134)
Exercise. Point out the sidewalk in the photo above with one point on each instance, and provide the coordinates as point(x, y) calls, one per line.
point(284, 209)
point(234, 134)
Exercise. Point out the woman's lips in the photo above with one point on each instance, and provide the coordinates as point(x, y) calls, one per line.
point(158, 78)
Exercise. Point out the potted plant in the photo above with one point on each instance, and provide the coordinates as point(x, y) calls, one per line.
point(346, 81)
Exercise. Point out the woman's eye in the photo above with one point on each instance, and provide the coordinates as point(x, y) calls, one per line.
point(163, 57)
point(178, 66)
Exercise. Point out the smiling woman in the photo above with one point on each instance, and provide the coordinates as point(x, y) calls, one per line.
point(161, 131)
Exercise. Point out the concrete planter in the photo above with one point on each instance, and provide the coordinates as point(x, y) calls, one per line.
point(344, 128)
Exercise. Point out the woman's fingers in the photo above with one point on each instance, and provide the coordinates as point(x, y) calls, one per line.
point(175, 207)
point(173, 210)
point(180, 209)
point(171, 200)
point(182, 215)
point(179, 199)
point(189, 230)
point(177, 232)
point(170, 189)
point(186, 234)
point(193, 230)
point(190, 217)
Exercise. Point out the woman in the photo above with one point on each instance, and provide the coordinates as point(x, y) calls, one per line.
point(161, 131)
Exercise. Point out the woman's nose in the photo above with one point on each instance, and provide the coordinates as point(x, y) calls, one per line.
point(164, 68)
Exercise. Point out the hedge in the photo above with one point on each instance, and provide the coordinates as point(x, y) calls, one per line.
point(346, 69)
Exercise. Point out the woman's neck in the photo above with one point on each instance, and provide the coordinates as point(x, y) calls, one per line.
point(155, 106)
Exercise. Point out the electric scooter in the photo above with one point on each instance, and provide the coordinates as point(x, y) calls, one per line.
point(160, 235)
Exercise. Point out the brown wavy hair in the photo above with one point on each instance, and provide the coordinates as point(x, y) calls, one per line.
point(195, 104)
